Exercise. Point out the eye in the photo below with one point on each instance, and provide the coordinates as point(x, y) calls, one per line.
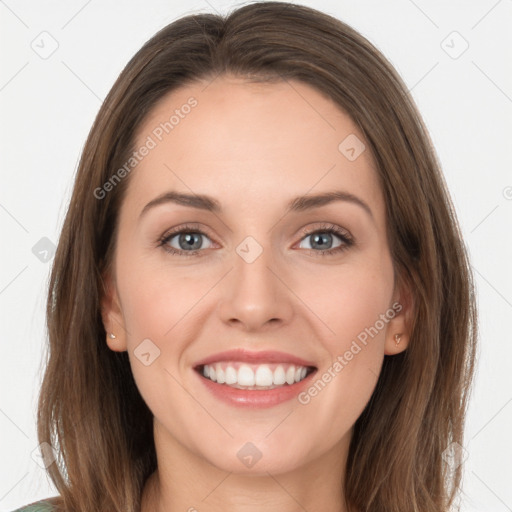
point(323, 240)
point(186, 241)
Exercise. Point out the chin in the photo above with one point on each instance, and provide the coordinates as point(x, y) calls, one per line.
point(255, 457)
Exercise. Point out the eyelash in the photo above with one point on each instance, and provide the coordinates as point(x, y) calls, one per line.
point(347, 240)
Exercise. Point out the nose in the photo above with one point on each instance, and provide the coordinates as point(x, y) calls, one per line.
point(254, 295)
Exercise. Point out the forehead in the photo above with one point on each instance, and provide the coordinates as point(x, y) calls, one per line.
point(253, 141)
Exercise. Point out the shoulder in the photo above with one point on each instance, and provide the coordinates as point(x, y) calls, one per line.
point(37, 506)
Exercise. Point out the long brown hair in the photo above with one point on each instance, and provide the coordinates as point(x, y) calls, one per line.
point(90, 409)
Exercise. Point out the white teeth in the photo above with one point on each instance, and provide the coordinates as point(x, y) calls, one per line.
point(231, 375)
point(264, 376)
point(279, 376)
point(290, 375)
point(252, 376)
point(220, 374)
point(246, 376)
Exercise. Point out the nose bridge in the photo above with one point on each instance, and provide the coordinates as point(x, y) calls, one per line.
point(252, 268)
point(253, 294)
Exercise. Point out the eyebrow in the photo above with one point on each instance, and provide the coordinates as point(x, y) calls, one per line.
point(298, 204)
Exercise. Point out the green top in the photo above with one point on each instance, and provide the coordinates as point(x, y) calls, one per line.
point(38, 506)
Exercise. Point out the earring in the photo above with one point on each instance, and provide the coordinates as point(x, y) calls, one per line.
point(112, 336)
point(398, 337)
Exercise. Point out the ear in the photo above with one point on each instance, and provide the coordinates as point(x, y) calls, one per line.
point(112, 315)
point(399, 329)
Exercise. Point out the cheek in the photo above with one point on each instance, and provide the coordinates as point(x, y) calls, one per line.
point(157, 299)
point(349, 300)
point(158, 305)
point(355, 304)
point(162, 305)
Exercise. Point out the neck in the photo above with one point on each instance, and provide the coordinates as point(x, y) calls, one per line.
point(187, 482)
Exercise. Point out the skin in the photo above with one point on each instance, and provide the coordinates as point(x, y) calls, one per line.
point(253, 147)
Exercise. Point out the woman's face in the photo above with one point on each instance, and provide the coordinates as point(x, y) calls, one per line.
point(296, 287)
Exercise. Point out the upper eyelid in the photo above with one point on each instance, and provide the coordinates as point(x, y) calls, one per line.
point(187, 228)
point(327, 227)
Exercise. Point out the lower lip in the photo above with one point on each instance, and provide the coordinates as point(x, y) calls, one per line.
point(255, 398)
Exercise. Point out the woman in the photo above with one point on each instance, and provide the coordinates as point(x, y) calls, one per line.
point(260, 297)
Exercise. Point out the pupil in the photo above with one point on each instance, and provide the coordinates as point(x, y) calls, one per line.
point(191, 241)
point(320, 239)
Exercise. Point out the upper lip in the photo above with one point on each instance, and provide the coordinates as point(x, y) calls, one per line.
point(254, 357)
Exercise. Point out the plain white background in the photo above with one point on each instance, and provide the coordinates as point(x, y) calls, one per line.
point(455, 58)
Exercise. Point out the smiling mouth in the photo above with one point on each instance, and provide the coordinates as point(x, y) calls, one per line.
point(241, 375)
